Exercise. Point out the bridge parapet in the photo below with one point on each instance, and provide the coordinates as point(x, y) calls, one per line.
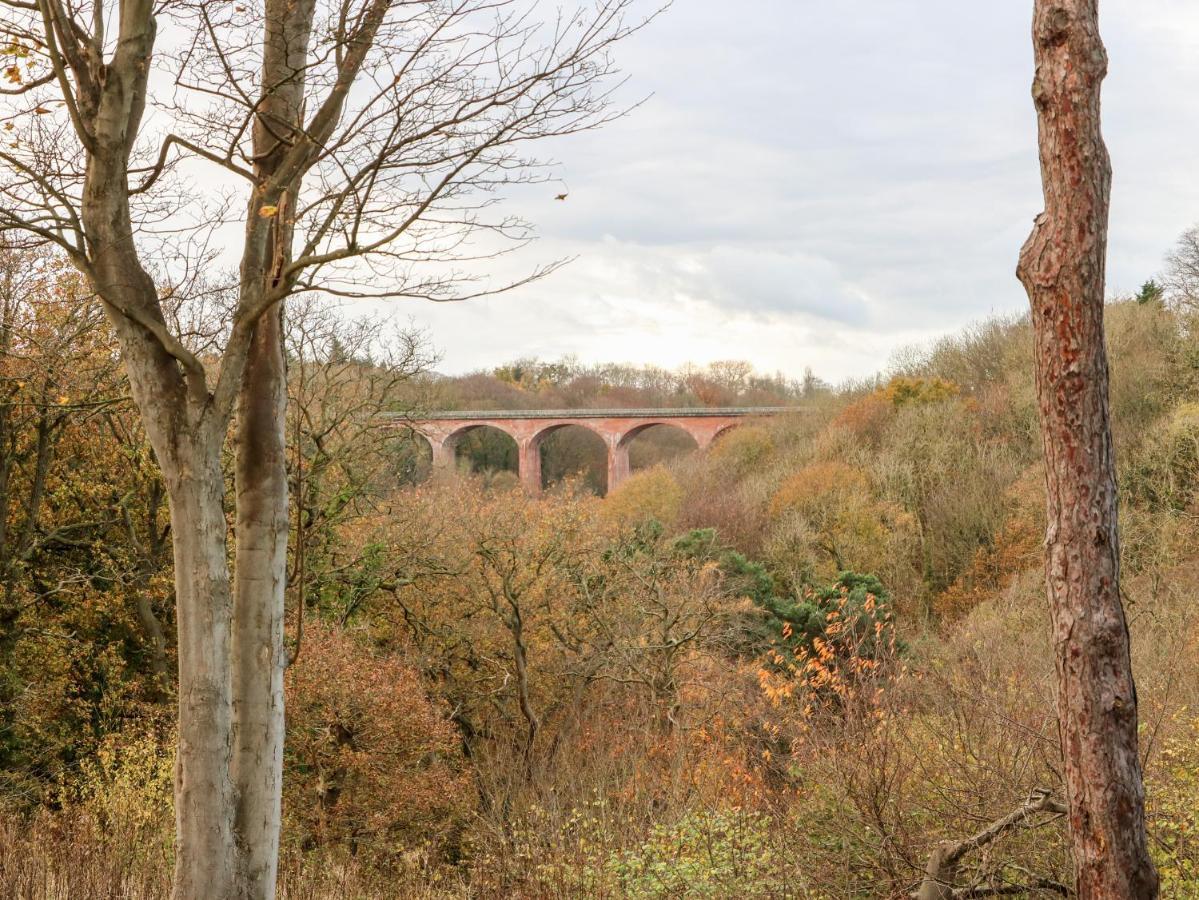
point(681, 412)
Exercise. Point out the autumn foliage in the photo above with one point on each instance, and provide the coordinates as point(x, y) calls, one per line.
point(362, 732)
point(789, 665)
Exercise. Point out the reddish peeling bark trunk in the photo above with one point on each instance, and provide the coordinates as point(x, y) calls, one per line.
point(1062, 268)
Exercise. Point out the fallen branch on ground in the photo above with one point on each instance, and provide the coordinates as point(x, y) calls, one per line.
point(939, 874)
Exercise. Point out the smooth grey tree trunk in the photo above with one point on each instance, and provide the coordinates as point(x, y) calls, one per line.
point(187, 435)
point(261, 577)
point(259, 657)
point(204, 791)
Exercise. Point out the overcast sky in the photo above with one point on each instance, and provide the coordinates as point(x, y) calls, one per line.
point(817, 184)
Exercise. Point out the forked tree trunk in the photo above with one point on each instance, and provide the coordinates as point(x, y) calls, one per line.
point(1062, 268)
point(405, 154)
point(187, 437)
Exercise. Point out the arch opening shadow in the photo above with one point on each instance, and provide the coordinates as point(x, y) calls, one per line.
point(487, 451)
point(657, 442)
point(573, 452)
point(410, 458)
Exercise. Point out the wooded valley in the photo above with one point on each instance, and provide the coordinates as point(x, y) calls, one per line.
point(791, 665)
point(267, 633)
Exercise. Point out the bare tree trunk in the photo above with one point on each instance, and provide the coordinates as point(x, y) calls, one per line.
point(187, 438)
point(261, 465)
point(153, 635)
point(204, 792)
point(258, 654)
point(1062, 268)
point(520, 654)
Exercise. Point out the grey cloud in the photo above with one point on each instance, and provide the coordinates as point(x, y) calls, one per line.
point(870, 163)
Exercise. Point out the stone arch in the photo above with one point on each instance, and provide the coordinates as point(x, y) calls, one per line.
point(456, 434)
point(640, 427)
point(722, 431)
point(449, 444)
point(555, 426)
point(416, 467)
point(531, 459)
point(619, 464)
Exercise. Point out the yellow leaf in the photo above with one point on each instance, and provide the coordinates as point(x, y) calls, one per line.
point(267, 211)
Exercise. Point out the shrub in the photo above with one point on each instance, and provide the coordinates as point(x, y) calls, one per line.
point(744, 449)
point(750, 627)
point(1166, 473)
point(828, 519)
point(1173, 814)
point(649, 494)
point(853, 612)
point(987, 353)
point(866, 417)
point(704, 854)
point(951, 480)
point(903, 391)
point(126, 790)
point(850, 616)
point(372, 763)
point(818, 486)
point(1016, 549)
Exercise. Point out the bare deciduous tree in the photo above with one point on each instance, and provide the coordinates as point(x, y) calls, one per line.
point(1182, 270)
point(363, 142)
point(352, 384)
point(1062, 269)
point(639, 617)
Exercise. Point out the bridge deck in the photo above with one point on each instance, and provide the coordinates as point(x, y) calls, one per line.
point(677, 413)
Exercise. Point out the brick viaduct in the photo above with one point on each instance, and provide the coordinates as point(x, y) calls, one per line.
point(616, 427)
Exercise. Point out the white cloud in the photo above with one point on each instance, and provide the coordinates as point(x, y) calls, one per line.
point(816, 184)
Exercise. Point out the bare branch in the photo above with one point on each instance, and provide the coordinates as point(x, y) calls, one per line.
point(938, 883)
point(173, 139)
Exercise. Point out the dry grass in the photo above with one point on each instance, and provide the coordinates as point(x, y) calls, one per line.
point(58, 858)
point(62, 857)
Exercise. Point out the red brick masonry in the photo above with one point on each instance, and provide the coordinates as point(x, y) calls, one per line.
point(617, 427)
